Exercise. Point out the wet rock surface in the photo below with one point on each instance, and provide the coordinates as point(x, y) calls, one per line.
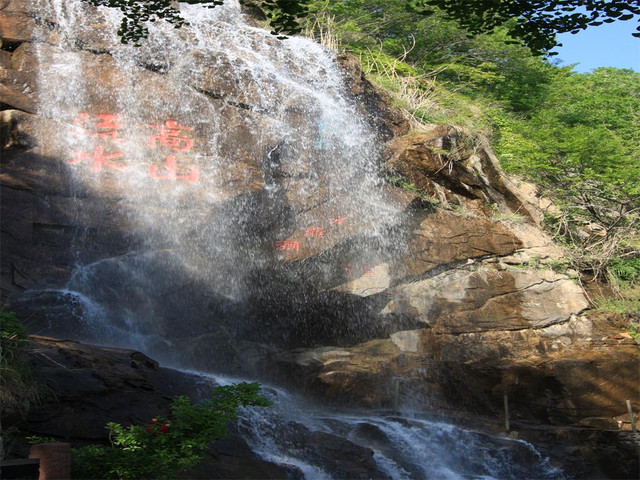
point(86, 386)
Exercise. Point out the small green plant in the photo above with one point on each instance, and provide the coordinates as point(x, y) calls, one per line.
point(18, 388)
point(557, 266)
point(412, 188)
point(625, 270)
point(509, 218)
point(13, 337)
point(619, 306)
point(36, 439)
point(166, 445)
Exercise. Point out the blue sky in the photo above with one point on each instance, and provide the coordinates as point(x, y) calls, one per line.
point(608, 45)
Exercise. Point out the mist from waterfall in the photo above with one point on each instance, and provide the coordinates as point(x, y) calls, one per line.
point(211, 231)
point(221, 155)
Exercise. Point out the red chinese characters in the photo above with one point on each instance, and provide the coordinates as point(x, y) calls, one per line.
point(105, 128)
point(98, 159)
point(337, 220)
point(287, 245)
point(314, 232)
point(170, 136)
point(170, 171)
point(108, 128)
point(354, 270)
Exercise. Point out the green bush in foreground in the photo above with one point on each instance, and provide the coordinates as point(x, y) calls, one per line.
point(166, 446)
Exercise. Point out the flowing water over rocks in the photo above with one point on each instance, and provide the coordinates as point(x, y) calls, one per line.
point(228, 202)
point(194, 170)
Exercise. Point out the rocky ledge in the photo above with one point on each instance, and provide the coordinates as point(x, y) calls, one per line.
point(85, 386)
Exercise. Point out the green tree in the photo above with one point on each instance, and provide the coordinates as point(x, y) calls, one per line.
point(487, 67)
point(538, 21)
point(582, 145)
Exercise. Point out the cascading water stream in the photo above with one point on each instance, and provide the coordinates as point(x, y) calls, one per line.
point(220, 155)
point(168, 156)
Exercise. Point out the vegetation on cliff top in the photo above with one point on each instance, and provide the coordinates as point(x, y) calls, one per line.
point(532, 22)
point(574, 135)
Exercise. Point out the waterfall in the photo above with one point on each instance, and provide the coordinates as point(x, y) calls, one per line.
point(220, 150)
point(223, 179)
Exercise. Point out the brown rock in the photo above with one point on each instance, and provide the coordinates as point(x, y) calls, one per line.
point(15, 28)
point(5, 59)
point(550, 377)
point(462, 301)
point(342, 458)
point(464, 165)
point(11, 98)
point(443, 237)
point(231, 458)
point(19, 6)
point(388, 121)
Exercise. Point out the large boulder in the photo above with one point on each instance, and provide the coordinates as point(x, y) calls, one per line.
point(462, 301)
point(451, 164)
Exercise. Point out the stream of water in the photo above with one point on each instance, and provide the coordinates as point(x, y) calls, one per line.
point(259, 135)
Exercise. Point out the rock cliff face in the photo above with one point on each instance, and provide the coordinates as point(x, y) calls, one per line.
point(203, 205)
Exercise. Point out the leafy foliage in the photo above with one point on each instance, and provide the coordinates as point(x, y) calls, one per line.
point(13, 336)
point(538, 21)
point(626, 269)
point(166, 446)
point(282, 15)
point(532, 22)
point(582, 146)
point(488, 68)
point(627, 304)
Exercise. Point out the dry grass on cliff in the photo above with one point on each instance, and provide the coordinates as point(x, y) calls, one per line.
point(323, 31)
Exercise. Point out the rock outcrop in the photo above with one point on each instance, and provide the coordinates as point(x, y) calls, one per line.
point(85, 386)
point(244, 239)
